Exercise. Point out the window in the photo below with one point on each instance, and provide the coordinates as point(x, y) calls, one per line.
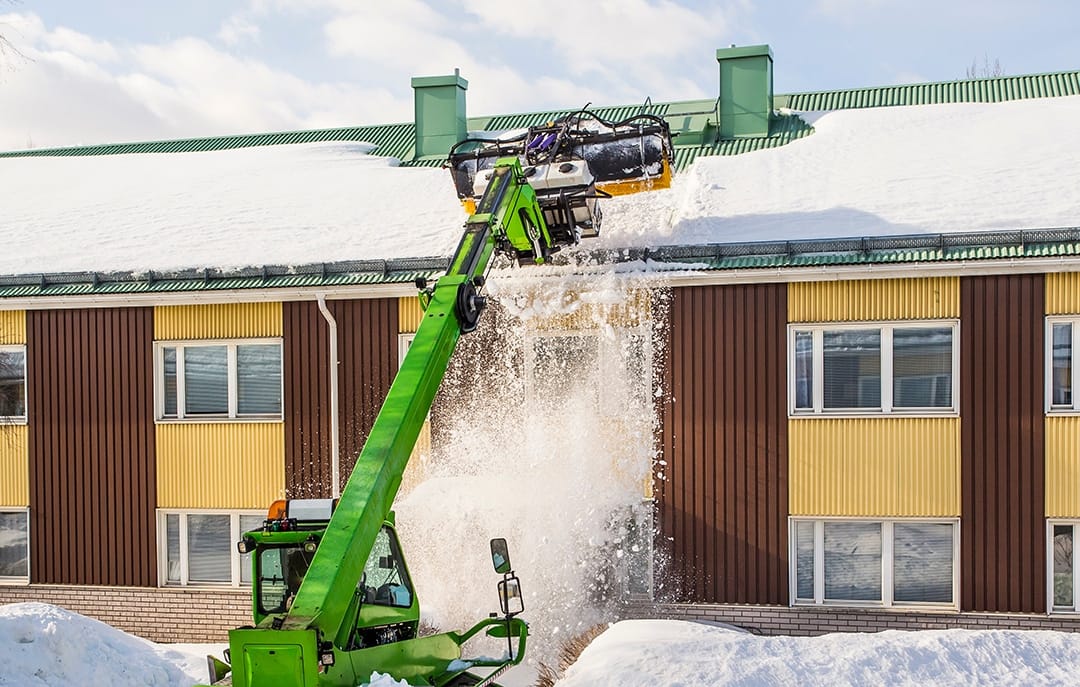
point(14, 546)
point(612, 370)
point(219, 380)
point(200, 548)
point(1061, 347)
point(886, 563)
point(873, 369)
point(12, 384)
point(1064, 596)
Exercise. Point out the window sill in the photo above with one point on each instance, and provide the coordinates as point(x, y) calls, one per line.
point(948, 413)
point(12, 421)
point(14, 581)
point(218, 420)
point(207, 587)
point(878, 606)
point(1062, 412)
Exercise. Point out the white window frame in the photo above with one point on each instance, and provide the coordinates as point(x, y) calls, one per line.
point(21, 580)
point(163, 546)
point(887, 562)
point(17, 419)
point(404, 341)
point(231, 373)
point(1050, 524)
point(1048, 374)
point(886, 328)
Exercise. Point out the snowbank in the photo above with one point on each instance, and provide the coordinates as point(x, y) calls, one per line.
point(875, 171)
point(648, 653)
point(46, 646)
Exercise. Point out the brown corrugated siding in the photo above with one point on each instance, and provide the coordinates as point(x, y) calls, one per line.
point(723, 499)
point(91, 445)
point(367, 351)
point(1003, 547)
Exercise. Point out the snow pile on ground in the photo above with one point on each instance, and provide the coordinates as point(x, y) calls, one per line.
point(865, 172)
point(651, 653)
point(46, 646)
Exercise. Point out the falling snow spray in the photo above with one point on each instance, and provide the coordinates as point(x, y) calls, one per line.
point(544, 433)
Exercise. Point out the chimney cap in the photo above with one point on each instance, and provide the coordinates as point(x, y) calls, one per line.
point(454, 79)
point(744, 51)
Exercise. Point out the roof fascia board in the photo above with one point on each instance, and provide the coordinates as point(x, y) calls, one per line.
point(689, 277)
point(957, 268)
point(279, 295)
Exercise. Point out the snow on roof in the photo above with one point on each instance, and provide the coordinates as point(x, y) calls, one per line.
point(865, 172)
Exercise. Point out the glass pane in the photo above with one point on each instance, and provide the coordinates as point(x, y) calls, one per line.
point(168, 383)
point(272, 569)
point(258, 379)
point(1063, 566)
point(804, 566)
point(248, 523)
point(172, 544)
point(558, 359)
point(922, 367)
point(1061, 393)
point(804, 370)
point(852, 368)
point(13, 384)
point(385, 582)
point(206, 386)
point(922, 562)
point(209, 548)
point(14, 539)
point(852, 561)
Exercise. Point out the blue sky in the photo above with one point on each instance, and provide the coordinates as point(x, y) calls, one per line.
point(112, 71)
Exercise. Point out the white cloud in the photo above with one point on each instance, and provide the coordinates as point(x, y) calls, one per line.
point(75, 90)
point(238, 29)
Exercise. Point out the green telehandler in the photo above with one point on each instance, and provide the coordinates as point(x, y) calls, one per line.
point(332, 599)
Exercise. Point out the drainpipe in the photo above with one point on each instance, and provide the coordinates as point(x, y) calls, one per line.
point(335, 477)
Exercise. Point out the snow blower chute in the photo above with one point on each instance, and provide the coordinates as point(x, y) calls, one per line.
point(571, 162)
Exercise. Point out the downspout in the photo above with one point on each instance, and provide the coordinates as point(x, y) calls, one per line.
point(335, 477)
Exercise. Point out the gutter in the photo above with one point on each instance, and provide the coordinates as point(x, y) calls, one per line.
point(335, 429)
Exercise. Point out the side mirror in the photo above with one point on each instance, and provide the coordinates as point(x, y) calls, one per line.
point(500, 557)
point(510, 599)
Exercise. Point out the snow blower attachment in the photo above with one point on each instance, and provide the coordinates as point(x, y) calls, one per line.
point(569, 163)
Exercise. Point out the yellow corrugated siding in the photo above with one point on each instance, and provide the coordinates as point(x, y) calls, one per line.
point(874, 299)
point(14, 466)
point(575, 313)
point(409, 314)
point(874, 466)
point(12, 326)
point(220, 321)
point(1063, 293)
point(1063, 467)
point(417, 467)
point(220, 465)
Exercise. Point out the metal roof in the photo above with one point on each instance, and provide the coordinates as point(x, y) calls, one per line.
point(991, 90)
point(916, 248)
point(693, 121)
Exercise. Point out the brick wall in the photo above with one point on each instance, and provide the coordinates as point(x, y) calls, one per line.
point(160, 615)
point(782, 620)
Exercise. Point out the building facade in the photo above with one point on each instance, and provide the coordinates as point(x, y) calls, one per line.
point(894, 442)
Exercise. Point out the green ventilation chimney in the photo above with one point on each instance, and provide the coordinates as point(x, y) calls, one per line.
point(746, 91)
point(440, 112)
